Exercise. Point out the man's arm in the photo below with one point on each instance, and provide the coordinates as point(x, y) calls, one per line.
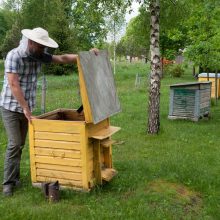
point(64, 59)
point(13, 80)
point(69, 58)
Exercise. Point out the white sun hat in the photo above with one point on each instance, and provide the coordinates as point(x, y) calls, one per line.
point(40, 36)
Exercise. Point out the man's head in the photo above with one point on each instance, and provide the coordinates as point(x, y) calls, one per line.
point(35, 49)
point(38, 40)
point(40, 36)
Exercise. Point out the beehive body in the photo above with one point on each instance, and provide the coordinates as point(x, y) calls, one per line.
point(214, 79)
point(189, 100)
point(68, 151)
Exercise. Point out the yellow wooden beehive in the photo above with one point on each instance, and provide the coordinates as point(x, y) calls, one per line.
point(76, 148)
point(214, 79)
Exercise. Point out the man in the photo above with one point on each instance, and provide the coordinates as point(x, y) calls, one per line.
point(18, 95)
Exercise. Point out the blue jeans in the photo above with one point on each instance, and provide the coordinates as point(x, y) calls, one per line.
point(16, 126)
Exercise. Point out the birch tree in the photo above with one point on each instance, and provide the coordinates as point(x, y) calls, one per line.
point(154, 92)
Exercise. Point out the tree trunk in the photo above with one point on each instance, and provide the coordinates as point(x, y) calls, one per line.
point(194, 70)
point(154, 93)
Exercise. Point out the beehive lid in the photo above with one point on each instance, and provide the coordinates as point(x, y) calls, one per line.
point(210, 75)
point(191, 85)
point(97, 86)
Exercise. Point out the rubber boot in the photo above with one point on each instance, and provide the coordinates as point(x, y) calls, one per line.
point(53, 192)
point(45, 189)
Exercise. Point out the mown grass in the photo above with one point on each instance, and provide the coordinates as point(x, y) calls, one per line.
point(172, 175)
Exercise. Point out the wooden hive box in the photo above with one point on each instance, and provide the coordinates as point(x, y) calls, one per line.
point(189, 100)
point(76, 148)
point(214, 79)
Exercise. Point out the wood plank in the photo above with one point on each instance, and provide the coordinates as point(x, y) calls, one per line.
point(58, 161)
point(32, 154)
point(108, 174)
point(57, 136)
point(205, 99)
point(59, 167)
point(84, 95)
point(67, 114)
point(97, 162)
point(58, 153)
point(212, 87)
point(85, 156)
point(54, 116)
point(72, 127)
point(102, 156)
point(92, 128)
point(107, 157)
point(58, 144)
point(105, 132)
point(61, 181)
point(107, 142)
point(49, 114)
point(183, 117)
point(72, 115)
point(90, 149)
point(100, 85)
point(204, 105)
point(59, 174)
point(91, 165)
point(90, 157)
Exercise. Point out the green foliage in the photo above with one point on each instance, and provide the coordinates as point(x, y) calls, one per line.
point(172, 32)
point(203, 33)
point(89, 27)
point(62, 69)
point(6, 21)
point(1, 69)
point(57, 24)
point(9, 31)
point(174, 70)
point(11, 39)
point(136, 40)
point(169, 54)
point(67, 22)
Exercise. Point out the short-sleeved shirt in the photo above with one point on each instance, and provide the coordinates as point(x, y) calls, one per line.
point(27, 68)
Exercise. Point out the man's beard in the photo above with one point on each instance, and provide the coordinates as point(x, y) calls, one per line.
point(35, 56)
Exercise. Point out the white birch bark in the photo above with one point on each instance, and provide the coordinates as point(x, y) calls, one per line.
point(154, 89)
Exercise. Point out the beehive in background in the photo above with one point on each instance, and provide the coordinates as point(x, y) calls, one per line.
point(214, 79)
point(189, 100)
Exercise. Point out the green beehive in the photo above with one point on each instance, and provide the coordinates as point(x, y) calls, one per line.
point(190, 100)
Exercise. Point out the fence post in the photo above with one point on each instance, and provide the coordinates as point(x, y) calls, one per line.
point(43, 98)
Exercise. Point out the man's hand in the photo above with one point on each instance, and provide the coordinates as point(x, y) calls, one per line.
point(28, 114)
point(95, 50)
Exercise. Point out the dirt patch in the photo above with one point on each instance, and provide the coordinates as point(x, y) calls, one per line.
point(177, 194)
point(127, 195)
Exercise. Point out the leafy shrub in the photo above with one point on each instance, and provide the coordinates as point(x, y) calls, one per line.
point(174, 70)
point(61, 69)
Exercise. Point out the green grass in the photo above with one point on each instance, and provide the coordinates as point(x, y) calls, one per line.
point(1, 68)
point(172, 175)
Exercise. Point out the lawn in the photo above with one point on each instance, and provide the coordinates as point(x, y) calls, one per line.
point(172, 175)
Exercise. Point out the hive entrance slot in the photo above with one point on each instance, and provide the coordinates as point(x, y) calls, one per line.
point(63, 115)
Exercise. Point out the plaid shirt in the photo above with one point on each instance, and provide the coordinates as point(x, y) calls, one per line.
point(18, 62)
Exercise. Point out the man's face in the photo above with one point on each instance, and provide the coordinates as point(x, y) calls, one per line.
point(36, 49)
